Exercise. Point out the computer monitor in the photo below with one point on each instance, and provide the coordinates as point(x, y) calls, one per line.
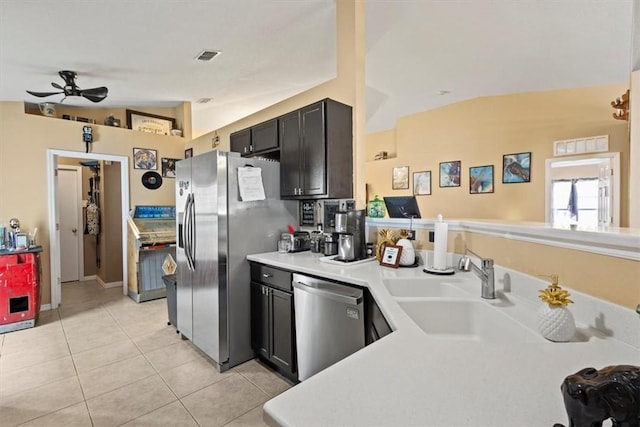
point(402, 207)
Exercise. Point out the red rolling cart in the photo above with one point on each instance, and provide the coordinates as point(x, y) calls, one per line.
point(19, 289)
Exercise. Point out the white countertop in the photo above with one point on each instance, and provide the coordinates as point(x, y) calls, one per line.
point(411, 379)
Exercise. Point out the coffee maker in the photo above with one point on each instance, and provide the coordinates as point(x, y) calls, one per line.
point(350, 228)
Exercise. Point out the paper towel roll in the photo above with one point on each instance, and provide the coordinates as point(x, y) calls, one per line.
point(440, 244)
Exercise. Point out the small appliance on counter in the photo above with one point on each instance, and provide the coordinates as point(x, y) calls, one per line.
point(314, 213)
point(298, 240)
point(350, 235)
point(330, 244)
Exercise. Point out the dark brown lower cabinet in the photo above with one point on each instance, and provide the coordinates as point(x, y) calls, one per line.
point(272, 318)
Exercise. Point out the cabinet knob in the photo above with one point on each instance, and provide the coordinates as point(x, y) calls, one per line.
point(267, 275)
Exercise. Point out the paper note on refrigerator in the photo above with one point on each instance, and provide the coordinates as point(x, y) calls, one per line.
point(250, 184)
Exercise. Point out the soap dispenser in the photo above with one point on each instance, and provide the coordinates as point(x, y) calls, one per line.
point(555, 321)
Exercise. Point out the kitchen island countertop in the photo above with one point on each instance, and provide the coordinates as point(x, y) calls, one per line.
point(409, 378)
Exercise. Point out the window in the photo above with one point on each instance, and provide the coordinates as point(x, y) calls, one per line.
point(587, 190)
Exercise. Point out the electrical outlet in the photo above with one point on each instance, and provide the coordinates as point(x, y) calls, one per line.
point(432, 236)
point(412, 234)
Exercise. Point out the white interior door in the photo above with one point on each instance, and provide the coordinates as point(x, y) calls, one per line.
point(69, 190)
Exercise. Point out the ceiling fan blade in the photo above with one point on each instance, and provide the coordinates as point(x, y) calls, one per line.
point(57, 86)
point(43, 94)
point(95, 94)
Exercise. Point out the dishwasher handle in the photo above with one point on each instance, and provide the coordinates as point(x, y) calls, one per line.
point(328, 292)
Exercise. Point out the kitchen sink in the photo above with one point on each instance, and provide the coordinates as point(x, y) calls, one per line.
point(424, 288)
point(466, 320)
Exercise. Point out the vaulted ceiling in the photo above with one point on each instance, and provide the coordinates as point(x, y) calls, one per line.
point(421, 54)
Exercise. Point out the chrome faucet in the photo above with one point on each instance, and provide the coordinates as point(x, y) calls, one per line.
point(484, 272)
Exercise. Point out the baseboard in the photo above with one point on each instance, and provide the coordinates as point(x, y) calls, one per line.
point(93, 277)
point(45, 307)
point(110, 284)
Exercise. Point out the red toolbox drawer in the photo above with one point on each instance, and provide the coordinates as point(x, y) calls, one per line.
point(18, 269)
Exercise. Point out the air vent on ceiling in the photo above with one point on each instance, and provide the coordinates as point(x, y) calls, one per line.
point(207, 55)
point(203, 100)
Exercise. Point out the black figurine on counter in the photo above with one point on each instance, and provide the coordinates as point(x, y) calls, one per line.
point(592, 396)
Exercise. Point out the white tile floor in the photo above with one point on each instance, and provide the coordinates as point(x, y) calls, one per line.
point(103, 360)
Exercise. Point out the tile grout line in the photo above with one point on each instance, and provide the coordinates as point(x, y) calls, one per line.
point(157, 372)
point(75, 368)
point(77, 378)
point(86, 404)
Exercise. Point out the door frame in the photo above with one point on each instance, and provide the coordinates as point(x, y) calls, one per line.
point(78, 170)
point(54, 241)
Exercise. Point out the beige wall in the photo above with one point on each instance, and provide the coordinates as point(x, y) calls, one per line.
point(24, 140)
point(478, 132)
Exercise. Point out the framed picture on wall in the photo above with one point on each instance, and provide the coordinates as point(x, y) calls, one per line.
point(150, 123)
point(422, 183)
point(450, 174)
point(169, 167)
point(188, 153)
point(516, 168)
point(400, 180)
point(481, 179)
point(144, 158)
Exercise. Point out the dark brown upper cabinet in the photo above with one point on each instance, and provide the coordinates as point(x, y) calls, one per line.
point(261, 139)
point(316, 154)
point(264, 136)
point(241, 142)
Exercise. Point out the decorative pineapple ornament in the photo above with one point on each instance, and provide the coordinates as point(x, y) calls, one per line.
point(408, 255)
point(386, 237)
point(555, 321)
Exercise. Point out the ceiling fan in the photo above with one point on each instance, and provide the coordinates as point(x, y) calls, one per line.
point(70, 88)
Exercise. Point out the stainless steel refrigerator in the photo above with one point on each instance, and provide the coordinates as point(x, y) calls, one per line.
point(216, 230)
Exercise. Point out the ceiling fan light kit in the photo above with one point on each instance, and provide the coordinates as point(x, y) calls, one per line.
point(70, 88)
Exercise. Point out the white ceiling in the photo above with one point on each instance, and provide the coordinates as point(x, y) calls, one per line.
point(143, 51)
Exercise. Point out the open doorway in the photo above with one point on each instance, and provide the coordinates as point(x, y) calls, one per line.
point(53, 157)
point(583, 190)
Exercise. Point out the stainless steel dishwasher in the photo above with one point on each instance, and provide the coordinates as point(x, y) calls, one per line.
point(329, 323)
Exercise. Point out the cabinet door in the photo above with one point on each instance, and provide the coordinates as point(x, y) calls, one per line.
point(283, 347)
point(241, 141)
point(289, 154)
point(260, 319)
point(313, 150)
point(264, 136)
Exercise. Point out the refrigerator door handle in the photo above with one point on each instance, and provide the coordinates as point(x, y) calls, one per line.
point(188, 226)
point(185, 231)
point(192, 229)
